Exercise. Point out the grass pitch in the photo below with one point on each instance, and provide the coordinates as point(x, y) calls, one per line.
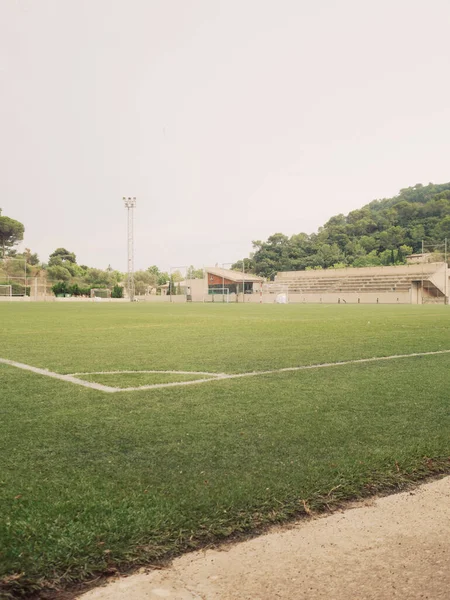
point(91, 482)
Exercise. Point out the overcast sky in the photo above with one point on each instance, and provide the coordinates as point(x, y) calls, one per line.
point(229, 120)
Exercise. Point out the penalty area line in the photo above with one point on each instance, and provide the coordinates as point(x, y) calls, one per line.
point(211, 376)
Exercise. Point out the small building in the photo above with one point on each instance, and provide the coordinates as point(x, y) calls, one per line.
point(226, 283)
point(414, 259)
point(235, 282)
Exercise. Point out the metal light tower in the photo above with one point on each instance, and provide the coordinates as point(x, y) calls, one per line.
point(130, 205)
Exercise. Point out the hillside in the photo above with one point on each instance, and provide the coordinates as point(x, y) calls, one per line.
point(380, 233)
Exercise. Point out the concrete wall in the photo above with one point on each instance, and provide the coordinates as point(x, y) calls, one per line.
point(336, 298)
point(15, 299)
point(199, 287)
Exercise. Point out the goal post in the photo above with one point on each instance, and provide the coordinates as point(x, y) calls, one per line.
point(279, 290)
point(6, 291)
point(98, 294)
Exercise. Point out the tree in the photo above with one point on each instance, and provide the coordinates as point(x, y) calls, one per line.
point(98, 277)
point(177, 276)
point(248, 265)
point(32, 259)
point(171, 291)
point(162, 276)
point(378, 233)
point(193, 273)
point(144, 281)
point(443, 229)
point(57, 272)
point(62, 256)
point(117, 292)
point(11, 233)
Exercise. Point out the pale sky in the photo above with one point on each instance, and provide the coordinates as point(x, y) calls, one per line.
point(229, 120)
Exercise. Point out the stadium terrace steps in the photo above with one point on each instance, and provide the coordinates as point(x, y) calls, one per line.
point(367, 280)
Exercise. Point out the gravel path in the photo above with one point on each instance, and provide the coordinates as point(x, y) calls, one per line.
point(392, 547)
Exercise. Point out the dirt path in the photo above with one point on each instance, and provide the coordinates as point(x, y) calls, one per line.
point(394, 547)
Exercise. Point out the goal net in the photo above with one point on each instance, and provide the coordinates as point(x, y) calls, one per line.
point(6, 290)
point(279, 290)
point(100, 293)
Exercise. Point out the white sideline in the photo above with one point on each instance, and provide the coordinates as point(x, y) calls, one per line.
point(211, 376)
point(69, 378)
point(151, 371)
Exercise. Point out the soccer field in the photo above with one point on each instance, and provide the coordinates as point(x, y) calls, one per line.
point(167, 452)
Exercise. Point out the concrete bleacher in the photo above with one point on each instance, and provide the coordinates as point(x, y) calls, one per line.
point(390, 280)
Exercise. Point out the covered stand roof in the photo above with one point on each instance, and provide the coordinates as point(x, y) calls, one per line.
point(236, 276)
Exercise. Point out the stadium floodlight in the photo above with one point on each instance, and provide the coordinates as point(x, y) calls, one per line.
point(130, 205)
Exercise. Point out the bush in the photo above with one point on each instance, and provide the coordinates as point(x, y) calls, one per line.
point(59, 272)
point(74, 290)
point(60, 288)
point(117, 292)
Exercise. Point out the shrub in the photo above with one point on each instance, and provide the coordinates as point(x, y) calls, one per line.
point(117, 291)
point(60, 288)
point(74, 290)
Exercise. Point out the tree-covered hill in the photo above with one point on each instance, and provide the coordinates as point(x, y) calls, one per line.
point(380, 233)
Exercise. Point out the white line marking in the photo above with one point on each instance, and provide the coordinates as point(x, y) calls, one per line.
point(211, 376)
point(69, 378)
point(163, 372)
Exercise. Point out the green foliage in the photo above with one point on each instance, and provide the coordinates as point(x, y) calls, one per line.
point(75, 290)
point(61, 256)
point(60, 288)
point(11, 233)
point(63, 288)
point(32, 259)
point(99, 278)
point(162, 277)
point(117, 291)
point(248, 265)
point(145, 281)
point(382, 232)
point(63, 259)
point(172, 289)
point(177, 276)
point(59, 272)
point(193, 273)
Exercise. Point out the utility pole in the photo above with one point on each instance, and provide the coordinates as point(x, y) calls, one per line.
point(243, 280)
point(130, 205)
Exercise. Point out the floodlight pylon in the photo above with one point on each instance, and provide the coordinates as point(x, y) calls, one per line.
point(130, 205)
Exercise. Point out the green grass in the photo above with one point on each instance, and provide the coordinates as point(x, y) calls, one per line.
point(127, 380)
point(92, 481)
